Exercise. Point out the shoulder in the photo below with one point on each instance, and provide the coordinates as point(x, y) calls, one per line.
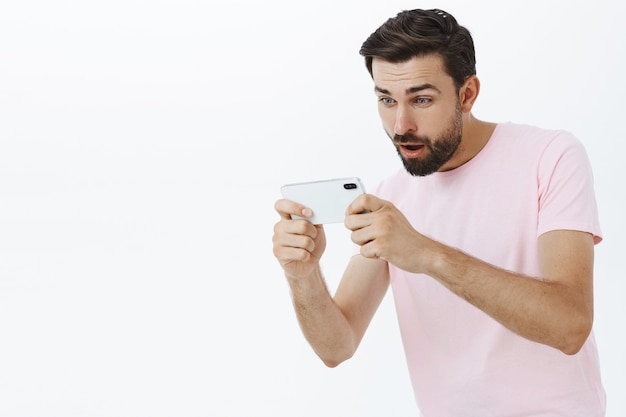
point(523, 143)
point(528, 134)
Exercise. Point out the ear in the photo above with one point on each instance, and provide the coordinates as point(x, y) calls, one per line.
point(468, 93)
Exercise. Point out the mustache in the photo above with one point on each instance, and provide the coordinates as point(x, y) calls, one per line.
point(410, 138)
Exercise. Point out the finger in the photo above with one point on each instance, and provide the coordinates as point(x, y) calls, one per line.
point(295, 227)
point(287, 242)
point(370, 251)
point(287, 254)
point(287, 208)
point(362, 236)
point(364, 203)
point(355, 222)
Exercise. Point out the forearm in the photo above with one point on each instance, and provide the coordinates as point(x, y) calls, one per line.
point(554, 308)
point(544, 311)
point(322, 322)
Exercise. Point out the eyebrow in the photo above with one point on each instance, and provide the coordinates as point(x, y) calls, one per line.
point(410, 90)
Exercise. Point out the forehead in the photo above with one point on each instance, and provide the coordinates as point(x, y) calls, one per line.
point(417, 71)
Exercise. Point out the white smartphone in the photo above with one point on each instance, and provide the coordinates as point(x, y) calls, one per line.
point(328, 199)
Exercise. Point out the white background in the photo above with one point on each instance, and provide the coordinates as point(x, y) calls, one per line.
point(143, 144)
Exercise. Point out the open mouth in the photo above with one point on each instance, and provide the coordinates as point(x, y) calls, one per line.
point(412, 147)
point(411, 150)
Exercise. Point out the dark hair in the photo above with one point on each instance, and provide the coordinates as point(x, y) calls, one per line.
point(419, 32)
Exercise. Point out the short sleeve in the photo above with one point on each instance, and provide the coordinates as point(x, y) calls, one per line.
point(566, 189)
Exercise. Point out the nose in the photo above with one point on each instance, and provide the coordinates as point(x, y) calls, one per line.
point(405, 121)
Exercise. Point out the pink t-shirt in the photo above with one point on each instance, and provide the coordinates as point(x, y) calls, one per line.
point(525, 182)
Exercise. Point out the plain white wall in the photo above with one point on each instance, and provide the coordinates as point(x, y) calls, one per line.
point(143, 144)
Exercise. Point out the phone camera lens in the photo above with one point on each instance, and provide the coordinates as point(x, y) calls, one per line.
point(349, 186)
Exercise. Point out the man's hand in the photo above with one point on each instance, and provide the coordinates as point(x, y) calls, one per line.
point(298, 244)
point(555, 308)
point(383, 232)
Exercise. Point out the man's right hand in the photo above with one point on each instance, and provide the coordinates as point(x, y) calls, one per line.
point(333, 326)
point(298, 244)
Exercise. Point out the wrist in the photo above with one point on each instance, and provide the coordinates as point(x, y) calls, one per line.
point(303, 278)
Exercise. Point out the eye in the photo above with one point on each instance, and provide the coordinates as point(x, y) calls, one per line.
point(423, 101)
point(386, 101)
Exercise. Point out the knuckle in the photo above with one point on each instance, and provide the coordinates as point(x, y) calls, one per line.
point(303, 256)
point(307, 243)
point(280, 206)
point(303, 227)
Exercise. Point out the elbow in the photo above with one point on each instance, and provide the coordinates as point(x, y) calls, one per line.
point(577, 337)
point(335, 360)
point(571, 348)
point(331, 363)
point(337, 355)
point(574, 346)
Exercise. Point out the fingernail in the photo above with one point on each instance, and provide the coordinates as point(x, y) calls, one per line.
point(307, 212)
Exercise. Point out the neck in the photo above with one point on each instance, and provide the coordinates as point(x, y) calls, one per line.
point(476, 134)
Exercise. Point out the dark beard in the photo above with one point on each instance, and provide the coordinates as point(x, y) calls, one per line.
point(438, 152)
